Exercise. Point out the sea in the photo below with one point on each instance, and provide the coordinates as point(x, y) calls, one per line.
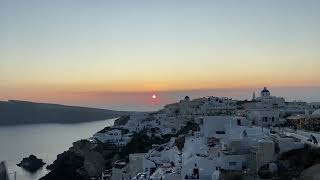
point(45, 141)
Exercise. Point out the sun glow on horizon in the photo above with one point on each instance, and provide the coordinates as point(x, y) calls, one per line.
point(154, 96)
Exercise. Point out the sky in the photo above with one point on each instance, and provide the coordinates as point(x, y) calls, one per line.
point(116, 54)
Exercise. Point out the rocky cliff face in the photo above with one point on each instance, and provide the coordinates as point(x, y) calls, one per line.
point(94, 162)
point(68, 166)
point(85, 159)
point(295, 163)
point(82, 161)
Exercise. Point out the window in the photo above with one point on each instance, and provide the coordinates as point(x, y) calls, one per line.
point(238, 122)
point(265, 119)
point(272, 119)
point(232, 163)
point(220, 132)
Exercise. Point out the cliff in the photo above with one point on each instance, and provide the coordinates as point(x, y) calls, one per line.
point(22, 112)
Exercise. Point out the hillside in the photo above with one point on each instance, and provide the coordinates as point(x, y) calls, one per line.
point(23, 112)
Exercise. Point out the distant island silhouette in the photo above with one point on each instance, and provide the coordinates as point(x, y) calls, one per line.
point(15, 112)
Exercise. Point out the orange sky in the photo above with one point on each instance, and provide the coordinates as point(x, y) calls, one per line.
point(153, 46)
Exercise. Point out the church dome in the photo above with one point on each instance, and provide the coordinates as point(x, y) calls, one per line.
point(265, 90)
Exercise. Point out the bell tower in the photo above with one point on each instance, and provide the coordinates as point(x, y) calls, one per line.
point(253, 96)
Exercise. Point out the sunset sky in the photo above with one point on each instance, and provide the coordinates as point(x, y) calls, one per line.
point(76, 52)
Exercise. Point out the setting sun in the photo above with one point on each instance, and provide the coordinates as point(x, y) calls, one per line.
point(154, 96)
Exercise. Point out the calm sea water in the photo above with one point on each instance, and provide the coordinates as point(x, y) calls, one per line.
point(45, 141)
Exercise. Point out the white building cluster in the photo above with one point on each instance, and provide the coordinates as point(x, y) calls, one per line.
point(233, 136)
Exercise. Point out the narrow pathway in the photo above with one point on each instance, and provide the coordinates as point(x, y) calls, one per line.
point(303, 135)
